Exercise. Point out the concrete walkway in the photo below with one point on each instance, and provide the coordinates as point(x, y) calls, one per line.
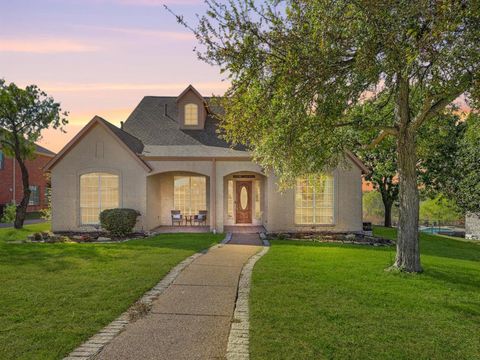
point(191, 319)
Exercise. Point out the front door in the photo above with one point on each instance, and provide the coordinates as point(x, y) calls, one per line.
point(243, 201)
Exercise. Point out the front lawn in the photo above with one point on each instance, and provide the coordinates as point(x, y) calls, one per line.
point(54, 296)
point(332, 301)
point(12, 234)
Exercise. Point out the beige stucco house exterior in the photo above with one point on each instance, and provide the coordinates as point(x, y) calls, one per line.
point(167, 156)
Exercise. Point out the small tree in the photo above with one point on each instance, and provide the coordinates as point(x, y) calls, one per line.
point(437, 145)
point(24, 113)
point(297, 68)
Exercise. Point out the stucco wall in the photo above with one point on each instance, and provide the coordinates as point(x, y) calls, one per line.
point(152, 193)
point(472, 226)
point(97, 151)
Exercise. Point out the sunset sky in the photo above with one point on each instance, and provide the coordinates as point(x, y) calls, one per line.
point(100, 57)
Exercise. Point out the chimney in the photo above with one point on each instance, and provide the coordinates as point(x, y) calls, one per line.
point(121, 125)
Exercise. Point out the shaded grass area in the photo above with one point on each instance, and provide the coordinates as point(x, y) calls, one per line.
point(333, 301)
point(12, 234)
point(55, 296)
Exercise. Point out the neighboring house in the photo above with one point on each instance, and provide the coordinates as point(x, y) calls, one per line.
point(472, 226)
point(168, 156)
point(11, 189)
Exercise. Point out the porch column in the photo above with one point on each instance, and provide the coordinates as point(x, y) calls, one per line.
point(213, 195)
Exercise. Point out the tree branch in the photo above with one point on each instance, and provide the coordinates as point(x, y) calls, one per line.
point(429, 110)
point(386, 131)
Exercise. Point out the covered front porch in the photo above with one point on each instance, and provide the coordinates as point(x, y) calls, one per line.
point(183, 201)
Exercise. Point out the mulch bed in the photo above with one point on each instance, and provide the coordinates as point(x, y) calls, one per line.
point(98, 236)
point(329, 237)
point(80, 237)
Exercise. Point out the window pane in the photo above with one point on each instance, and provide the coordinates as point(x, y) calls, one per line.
point(230, 199)
point(108, 191)
point(314, 202)
point(258, 213)
point(191, 114)
point(198, 194)
point(98, 192)
point(34, 195)
point(190, 194)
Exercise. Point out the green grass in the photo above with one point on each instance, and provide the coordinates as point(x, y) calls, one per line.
point(11, 234)
point(332, 301)
point(54, 296)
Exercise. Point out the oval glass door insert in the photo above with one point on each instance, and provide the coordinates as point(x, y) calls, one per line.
point(243, 198)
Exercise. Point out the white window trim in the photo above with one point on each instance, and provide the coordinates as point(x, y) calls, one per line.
point(335, 207)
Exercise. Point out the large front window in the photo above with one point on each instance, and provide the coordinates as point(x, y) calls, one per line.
point(314, 200)
point(98, 191)
point(190, 194)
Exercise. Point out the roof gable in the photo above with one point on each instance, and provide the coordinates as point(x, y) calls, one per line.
point(192, 89)
point(130, 143)
point(43, 151)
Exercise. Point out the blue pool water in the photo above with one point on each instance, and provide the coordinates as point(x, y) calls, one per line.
point(436, 230)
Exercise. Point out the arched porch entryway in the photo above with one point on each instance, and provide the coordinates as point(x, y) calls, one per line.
point(178, 192)
point(244, 199)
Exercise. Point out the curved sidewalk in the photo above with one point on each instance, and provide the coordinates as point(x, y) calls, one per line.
point(191, 319)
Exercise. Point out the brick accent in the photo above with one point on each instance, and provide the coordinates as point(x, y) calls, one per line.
point(37, 177)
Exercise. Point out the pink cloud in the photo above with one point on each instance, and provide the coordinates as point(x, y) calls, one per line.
point(168, 35)
point(163, 87)
point(150, 2)
point(160, 2)
point(44, 46)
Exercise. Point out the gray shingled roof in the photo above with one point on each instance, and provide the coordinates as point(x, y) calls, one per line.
point(155, 122)
point(41, 150)
point(128, 139)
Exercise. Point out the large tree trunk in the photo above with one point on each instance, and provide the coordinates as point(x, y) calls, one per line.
point(22, 207)
point(408, 251)
point(387, 203)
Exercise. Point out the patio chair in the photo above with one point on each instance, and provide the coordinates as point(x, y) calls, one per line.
point(177, 217)
point(201, 217)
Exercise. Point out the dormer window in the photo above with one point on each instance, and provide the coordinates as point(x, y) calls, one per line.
point(191, 114)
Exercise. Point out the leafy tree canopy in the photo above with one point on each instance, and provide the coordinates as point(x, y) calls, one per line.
point(24, 113)
point(297, 68)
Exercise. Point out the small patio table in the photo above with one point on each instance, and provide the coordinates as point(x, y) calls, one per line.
point(188, 219)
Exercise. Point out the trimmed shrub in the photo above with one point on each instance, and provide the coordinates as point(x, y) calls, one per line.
point(119, 222)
